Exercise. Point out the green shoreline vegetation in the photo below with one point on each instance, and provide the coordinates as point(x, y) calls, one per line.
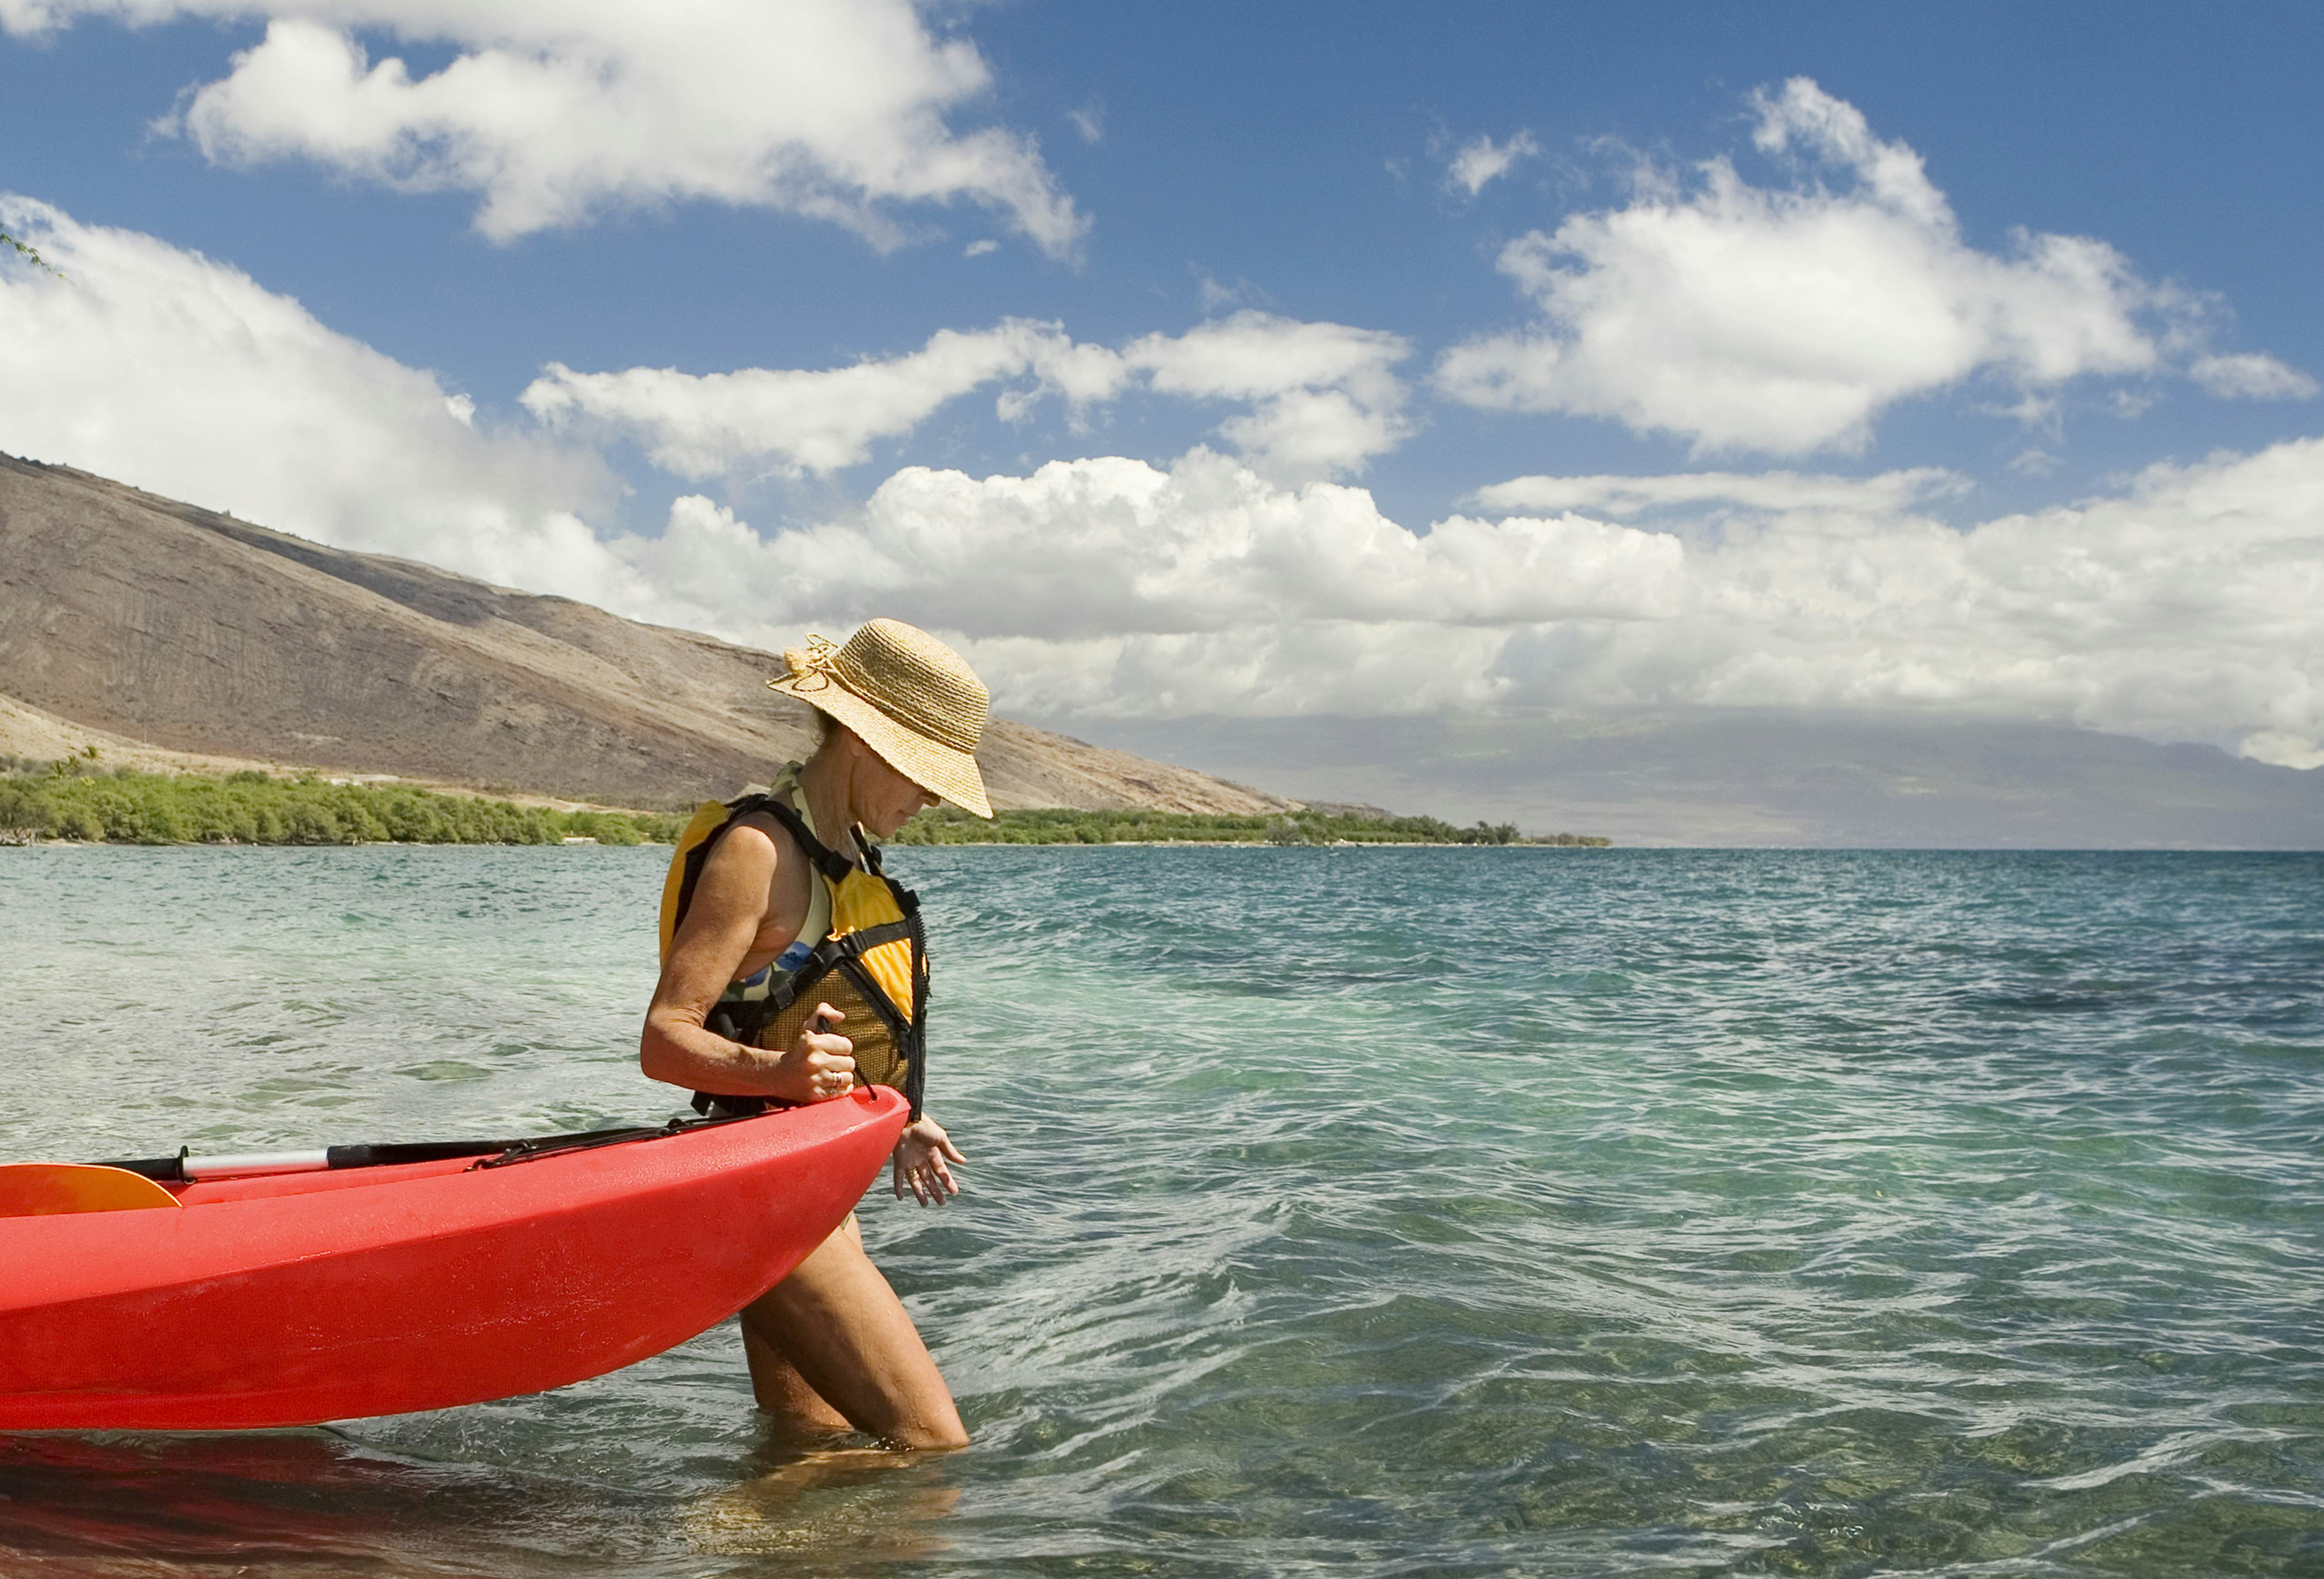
point(944, 825)
point(79, 798)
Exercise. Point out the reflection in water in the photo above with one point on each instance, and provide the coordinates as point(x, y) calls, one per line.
point(314, 1502)
point(839, 1503)
point(278, 1502)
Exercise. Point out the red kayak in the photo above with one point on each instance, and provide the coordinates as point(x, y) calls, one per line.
point(289, 1299)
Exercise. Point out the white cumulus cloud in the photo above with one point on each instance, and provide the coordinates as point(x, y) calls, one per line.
point(2278, 749)
point(791, 420)
point(1481, 160)
point(1785, 319)
point(1108, 545)
point(2252, 377)
point(1323, 398)
point(1319, 399)
point(2182, 604)
point(1779, 491)
point(180, 374)
point(836, 109)
point(1111, 585)
point(2182, 607)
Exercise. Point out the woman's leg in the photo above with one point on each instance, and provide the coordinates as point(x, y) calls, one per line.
point(832, 1340)
point(780, 1389)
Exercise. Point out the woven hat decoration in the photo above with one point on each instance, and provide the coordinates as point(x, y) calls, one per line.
point(907, 696)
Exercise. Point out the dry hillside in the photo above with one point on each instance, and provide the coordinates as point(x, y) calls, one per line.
point(190, 631)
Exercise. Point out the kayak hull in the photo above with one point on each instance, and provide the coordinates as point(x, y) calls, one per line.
point(295, 1299)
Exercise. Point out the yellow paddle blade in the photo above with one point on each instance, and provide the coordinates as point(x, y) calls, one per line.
point(40, 1189)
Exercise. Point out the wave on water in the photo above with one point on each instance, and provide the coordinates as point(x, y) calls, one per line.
point(1371, 1212)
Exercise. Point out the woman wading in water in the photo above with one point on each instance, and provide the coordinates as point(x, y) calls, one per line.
point(792, 969)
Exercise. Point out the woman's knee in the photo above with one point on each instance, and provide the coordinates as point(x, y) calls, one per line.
point(949, 1436)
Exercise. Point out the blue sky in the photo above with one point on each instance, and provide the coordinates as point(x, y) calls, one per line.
point(1287, 300)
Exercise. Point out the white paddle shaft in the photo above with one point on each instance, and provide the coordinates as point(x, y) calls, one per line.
point(249, 1164)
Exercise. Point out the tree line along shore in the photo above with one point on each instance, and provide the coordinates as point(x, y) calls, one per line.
point(946, 825)
point(81, 799)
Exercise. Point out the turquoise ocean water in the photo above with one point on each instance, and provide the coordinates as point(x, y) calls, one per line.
point(1359, 1212)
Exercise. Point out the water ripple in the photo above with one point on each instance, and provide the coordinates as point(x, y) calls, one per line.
point(1377, 1211)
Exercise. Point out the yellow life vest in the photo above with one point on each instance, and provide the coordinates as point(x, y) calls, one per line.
point(872, 964)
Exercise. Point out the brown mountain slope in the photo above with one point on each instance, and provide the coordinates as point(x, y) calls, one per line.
point(163, 622)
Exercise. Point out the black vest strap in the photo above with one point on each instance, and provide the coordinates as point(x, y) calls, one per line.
point(833, 865)
point(744, 1021)
point(828, 861)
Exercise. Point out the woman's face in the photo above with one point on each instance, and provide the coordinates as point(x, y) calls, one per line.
point(885, 800)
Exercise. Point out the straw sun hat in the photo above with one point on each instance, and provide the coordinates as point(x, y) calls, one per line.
point(907, 696)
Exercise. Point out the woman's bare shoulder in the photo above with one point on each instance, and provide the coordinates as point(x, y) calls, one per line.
point(756, 845)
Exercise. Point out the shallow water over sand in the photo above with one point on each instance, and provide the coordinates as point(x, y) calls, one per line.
point(1375, 1212)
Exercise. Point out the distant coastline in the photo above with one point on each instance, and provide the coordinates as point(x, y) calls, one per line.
point(1310, 825)
point(81, 799)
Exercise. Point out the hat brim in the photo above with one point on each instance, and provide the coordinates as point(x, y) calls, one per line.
point(941, 769)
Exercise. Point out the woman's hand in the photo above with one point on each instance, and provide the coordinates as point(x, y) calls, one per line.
point(818, 1067)
point(921, 1154)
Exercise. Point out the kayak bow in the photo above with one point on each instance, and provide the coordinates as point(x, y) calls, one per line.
point(286, 1299)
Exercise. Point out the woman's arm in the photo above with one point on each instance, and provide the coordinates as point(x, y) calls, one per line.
point(722, 921)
